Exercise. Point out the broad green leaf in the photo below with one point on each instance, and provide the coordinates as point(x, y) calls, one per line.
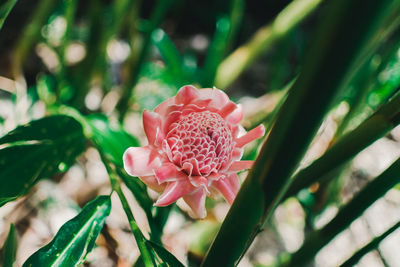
point(166, 256)
point(36, 150)
point(76, 238)
point(111, 139)
point(10, 247)
point(5, 9)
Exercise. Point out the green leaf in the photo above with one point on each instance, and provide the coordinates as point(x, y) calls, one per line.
point(240, 59)
point(166, 256)
point(169, 53)
point(216, 51)
point(111, 139)
point(353, 260)
point(380, 123)
point(76, 238)
point(339, 48)
point(138, 189)
point(5, 9)
point(346, 215)
point(10, 247)
point(36, 150)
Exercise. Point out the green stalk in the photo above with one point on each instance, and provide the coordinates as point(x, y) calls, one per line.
point(139, 237)
point(262, 40)
point(370, 246)
point(5, 9)
point(10, 247)
point(375, 127)
point(157, 16)
point(168, 51)
point(365, 80)
point(106, 24)
point(340, 47)
point(235, 16)
point(267, 117)
point(62, 75)
point(95, 46)
point(31, 34)
point(216, 51)
point(346, 215)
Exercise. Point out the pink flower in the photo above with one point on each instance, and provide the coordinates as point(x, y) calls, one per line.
point(194, 151)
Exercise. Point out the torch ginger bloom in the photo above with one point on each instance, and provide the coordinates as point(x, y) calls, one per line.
point(194, 151)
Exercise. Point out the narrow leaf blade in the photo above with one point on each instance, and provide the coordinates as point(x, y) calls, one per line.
point(10, 247)
point(165, 255)
point(5, 9)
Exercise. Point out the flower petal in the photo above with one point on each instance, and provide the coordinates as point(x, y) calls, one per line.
point(169, 172)
point(152, 127)
point(170, 119)
point(227, 109)
point(152, 182)
point(254, 134)
point(167, 150)
point(238, 166)
point(234, 181)
point(196, 202)
point(141, 161)
point(199, 181)
point(191, 167)
point(237, 153)
point(186, 94)
point(173, 192)
point(226, 188)
point(219, 98)
point(236, 116)
point(162, 109)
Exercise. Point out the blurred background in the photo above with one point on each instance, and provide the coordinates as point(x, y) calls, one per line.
point(120, 57)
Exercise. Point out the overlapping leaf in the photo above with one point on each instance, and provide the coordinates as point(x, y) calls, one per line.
point(38, 149)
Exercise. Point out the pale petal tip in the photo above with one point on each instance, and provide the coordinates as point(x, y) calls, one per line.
point(252, 135)
point(186, 94)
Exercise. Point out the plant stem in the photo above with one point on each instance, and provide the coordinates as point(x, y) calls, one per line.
point(139, 237)
point(31, 34)
point(262, 41)
point(156, 18)
point(10, 247)
point(5, 9)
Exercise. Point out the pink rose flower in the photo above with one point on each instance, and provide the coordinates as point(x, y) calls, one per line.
point(195, 147)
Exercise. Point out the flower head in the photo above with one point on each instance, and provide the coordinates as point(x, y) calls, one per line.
point(194, 150)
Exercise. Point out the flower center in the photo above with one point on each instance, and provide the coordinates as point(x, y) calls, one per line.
point(201, 143)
